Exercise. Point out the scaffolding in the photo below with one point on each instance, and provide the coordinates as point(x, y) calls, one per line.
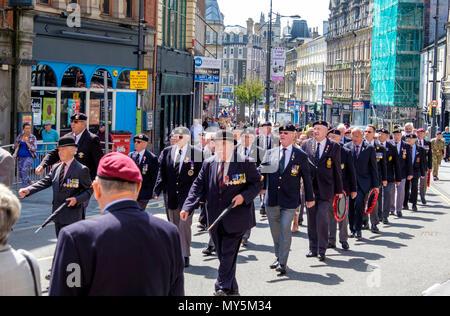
point(397, 42)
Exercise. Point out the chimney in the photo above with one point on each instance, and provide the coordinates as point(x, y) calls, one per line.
point(250, 24)
point(315, 32)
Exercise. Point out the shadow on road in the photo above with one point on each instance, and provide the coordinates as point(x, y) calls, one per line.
point(292, 275)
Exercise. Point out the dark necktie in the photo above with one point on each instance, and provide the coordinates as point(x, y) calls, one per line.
point(282, 161)
point(61, 175)
point(137, 158)
point(357, 151)
point(220, 176)
point(318, 153)
point(178, 162)
point(246, 152)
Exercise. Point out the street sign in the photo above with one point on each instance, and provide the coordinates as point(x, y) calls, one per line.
point(434, 104)
point(138, 80)
point(207, 69)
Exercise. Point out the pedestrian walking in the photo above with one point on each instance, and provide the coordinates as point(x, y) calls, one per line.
point(196, 130)
point(123, 252)
point(327, 183)
point(423, 182)
point(225, 179)
point(19, 270)
point(179, 166)
point(25, 146)
point(439, 152)
point(148, 164)
point(283, 167)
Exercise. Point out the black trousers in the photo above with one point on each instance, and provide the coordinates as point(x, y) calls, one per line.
point(58, 228)
point(411, 191)
point(356, 211)
point(202, 218)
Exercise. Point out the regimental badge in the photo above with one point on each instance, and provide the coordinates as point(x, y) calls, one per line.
point(329, 163)
point(295, 170)
point(191, 173)
point(80, 155)
point(390, 158)
point(343, 166)
point(379, 156)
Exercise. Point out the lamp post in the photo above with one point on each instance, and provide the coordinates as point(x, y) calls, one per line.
point(435, 65)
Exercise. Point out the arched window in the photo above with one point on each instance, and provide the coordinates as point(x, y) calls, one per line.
point(124, 80)
point(97, 81)
point(43, 76)
point(74, 78)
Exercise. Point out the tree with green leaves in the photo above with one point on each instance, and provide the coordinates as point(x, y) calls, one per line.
point(249, 93)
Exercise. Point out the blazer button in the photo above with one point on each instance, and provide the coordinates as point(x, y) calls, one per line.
point(279, 188)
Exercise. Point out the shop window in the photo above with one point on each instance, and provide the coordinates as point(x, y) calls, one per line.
point(97, 110)
point(128, 8)
point(124, 80)
point(72, 102)
point(74, 78)
point(43, 106)
point(97, 81)
point(43, 76)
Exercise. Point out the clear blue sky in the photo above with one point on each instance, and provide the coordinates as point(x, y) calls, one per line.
point(238, 11)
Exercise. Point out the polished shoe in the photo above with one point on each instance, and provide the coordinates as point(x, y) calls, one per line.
point(186, 262)
point(365, 227)
point(201, 228)
point(392, 213)
point(331, 246)
point(385, 222)
point(359, 236)
point(345, 245)
point(414, 208)
point(424, 201)
point(244, 242)
point(311, 255)
point(399, 214)
point(375, 230)
point(208, 250)
point(221, 293)
point(322, 258)
point(281, 269)
point(352, 235)
point(275, 264)
point(262, 212)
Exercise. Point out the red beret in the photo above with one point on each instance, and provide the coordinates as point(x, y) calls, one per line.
point(421, 130)
point(118, 167)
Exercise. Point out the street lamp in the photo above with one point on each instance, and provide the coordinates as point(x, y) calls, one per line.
point(323, 89)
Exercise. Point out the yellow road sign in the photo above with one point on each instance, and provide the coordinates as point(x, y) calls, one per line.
point(138, 80)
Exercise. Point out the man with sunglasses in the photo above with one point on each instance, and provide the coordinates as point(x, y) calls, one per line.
point(381, 155)
point(179, 166)
point(147, 163)
point(89, 149)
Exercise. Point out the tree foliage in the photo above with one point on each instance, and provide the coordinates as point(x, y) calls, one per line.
point(247, 92)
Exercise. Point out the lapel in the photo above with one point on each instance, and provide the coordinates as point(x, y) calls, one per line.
point(60, 169)
point(325, 152)
point(214, 166)
point(291, 160)
point(186, 165)
point(83, 136)
point(70, 171)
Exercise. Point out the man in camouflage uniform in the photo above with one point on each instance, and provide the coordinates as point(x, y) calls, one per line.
point(439, 151)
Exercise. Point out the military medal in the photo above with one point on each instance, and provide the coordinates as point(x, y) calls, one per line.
point(191, 172)
point(390, 158)
point(329, 163)
point(343, 166)
point(81, 155)
point(144, 169)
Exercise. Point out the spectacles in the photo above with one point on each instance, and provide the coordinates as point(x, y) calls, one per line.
point(177, 137)
point(138, 142)
point(368, 132)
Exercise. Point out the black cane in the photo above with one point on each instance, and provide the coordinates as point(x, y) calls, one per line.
point(224, 213)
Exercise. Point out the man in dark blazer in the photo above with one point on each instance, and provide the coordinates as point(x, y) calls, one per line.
point(422, 142)
point(147, 162)
point(221, 182)
point(350, 187)
point(405, 161)
point(283, 168)
point(394, 174)
point(327, 183)
point(69, 180)
point(369, 137)
point(419, 161)
point(367, 177)
point(89, 149)
point(179, 166)
point(123, 252)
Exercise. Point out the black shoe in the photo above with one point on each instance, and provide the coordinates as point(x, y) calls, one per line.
point(424, 201)
point(331, 246)
point(208, 250)
point(281, 269)
point(345, 245)
point(392, 213)
point(186, 262)
point(352, 235)
point(274, 265)
point(358, 236)
point(262, 212)
point(414, 208)
point(322, 258)
point(221, 293)
point(244, 242)
point(385, 222)
point(399, 214)
point(311, 255)
point(201, 228)
point(375, 230)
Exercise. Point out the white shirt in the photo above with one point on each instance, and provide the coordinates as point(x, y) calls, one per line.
point(141, 155)
point(323, 143)
point(77, 137)
point(183, 155)
point(15, 275)
point(371, 143)
point(288, 155)
point(399, 146)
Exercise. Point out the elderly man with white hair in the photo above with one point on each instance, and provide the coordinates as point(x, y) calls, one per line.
point(19, 270)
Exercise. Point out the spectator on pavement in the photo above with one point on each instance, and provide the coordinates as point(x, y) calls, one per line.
point(102, 137)
point(446, 136)
point(6, 168)
point(49, 135)
point(25, 146)
point(19, 270)
point(196, 130)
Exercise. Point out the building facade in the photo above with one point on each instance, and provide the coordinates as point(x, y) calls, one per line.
point(54, 60)
point(348, 70)
point(446, 81)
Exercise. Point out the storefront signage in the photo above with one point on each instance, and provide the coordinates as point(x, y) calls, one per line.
point(73, 107)
point(94, 112)
point(207, 69)
point(36, 108)
point(138, 80)
point(49, 110)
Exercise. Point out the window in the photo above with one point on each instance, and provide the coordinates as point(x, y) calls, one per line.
point(240, 51)
point(231, 80)
point(105, 7)
point(45, 2)
point(224, 51)
point(224, 81)
point(128, 8)
point(43, 76)
point(232, 52)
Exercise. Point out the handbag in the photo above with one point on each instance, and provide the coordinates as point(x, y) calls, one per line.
point(33, 274)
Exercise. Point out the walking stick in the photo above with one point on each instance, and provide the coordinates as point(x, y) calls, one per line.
point(53, 216)
point(224, 213)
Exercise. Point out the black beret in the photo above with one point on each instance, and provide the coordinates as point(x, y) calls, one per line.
point(323, 123)
point(223, 135)
point(397, 130)
point(141, 137)
point(334, 132)
point(269, 124)
point(66, 141)
point(287, 128)
point(384, 131)
point(414, 136)
point(79, 117)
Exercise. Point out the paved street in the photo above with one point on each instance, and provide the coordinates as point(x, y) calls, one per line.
point(410, 256)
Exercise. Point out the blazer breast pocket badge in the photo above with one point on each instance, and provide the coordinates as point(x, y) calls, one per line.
point(329, 163)
point(390, 158)
point(379, 156)
point(144, 169)
point(295, 170)
point(72, 184)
